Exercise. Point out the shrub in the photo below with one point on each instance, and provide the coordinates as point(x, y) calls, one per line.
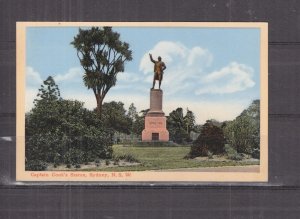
point(210, 155)
point(35, 165)
point(57, 160)
point(68, 166)
point(243, 133)
point(57, 128)
point(128, 158)
point(73, 157)
point(180, 126)
point(43, 146)
point(77, 166)
point(232, 154)
point(256, 153)
point(211, 139)
point(235, 156)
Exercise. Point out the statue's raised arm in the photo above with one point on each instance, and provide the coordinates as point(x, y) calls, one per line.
point(152, 60)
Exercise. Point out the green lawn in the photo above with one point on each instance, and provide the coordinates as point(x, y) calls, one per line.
point(156, 158)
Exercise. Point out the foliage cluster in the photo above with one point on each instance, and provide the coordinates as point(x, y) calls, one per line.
point(242, 136)
point(63, 132)
point(243, 133)
point(180, 126)
point(231, 153)
point(210, 141)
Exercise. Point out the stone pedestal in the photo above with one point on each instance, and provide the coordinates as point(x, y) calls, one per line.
point(155, 120)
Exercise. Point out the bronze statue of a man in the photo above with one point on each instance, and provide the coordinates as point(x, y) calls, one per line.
point(159, 68)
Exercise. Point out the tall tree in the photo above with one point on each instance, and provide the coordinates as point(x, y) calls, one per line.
point(45, 105)
point(132, 112)
point(243, 133)
point(189, 120)
point(139, 124)
point(176, 126)
point(102, 55)
point(48, 92)
point(132, 115)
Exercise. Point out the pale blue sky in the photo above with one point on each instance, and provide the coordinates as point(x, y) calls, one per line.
point(212, 71)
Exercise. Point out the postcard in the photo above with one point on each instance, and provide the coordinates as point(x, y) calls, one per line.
point(142, 101)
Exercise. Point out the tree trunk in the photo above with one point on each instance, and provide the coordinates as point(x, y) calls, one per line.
point(99, 105)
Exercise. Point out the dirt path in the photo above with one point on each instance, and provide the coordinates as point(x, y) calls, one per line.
point(245, 169)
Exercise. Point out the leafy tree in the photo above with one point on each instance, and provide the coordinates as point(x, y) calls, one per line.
point(139, 123)
point(114, 116)
point(253, 110)
point(48, 92)
point(132, 113)
point(211, 140)
point(102, 55)
point(44, 107)
point(55, 126)
point(177, 127)
point(189, 120)
point(198, 128)
point(243, 132)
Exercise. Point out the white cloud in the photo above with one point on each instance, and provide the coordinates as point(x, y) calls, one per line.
point(32, 77)
point(169, 51)
point(128, 77)
point(72, 74)
point(197, 56)
point(87, 98)
point(177, 56)
point(33, 83)
point(230, 79)
point(30, 95)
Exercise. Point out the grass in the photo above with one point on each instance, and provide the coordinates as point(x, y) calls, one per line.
point(157, 158)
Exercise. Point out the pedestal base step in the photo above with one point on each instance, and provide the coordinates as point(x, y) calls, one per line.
point(156, 144)
point(155, 135)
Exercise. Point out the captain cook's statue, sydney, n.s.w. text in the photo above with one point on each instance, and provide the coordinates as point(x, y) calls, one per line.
point(159, 67)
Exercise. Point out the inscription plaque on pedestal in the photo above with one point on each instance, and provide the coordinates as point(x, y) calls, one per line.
point(155, 120)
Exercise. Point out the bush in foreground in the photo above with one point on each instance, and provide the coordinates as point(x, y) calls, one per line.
point(64, 132)
point(35, 165)
point(232, 154)
point(211, 140)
